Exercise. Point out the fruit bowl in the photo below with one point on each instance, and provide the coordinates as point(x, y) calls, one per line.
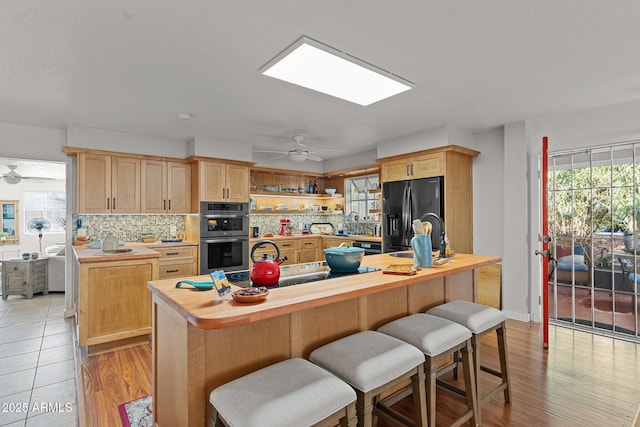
point(330, 190)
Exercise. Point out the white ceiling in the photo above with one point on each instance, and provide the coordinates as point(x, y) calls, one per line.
point(131, 66)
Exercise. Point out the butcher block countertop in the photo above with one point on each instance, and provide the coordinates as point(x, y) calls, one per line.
point(139, 250)
point(201, 310)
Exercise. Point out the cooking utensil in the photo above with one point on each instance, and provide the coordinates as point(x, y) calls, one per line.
point(265, 271)
point(344, 258)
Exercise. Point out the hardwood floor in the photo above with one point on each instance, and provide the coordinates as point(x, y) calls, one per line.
point(583, 380)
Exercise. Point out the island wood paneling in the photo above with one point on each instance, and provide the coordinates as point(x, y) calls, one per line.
point(583, 380)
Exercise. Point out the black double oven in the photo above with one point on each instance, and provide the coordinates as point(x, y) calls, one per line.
point(224, 236)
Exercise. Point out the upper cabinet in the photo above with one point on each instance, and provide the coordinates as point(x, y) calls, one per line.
point(9, 222)
point(113, 183)
point(108, 184)
point(412, 167)
point(166, 186)
point(219, 181)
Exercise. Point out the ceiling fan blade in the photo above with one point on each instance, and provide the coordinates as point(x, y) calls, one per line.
point(279, 157)
point(314, 158)
point(38, 178)
point(269, 151)
point(326, 151)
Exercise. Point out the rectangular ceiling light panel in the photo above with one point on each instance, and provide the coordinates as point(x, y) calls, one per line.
point(313, 65)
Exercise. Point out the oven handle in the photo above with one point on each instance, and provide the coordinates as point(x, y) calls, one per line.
point(226, 216)
point(224, 240)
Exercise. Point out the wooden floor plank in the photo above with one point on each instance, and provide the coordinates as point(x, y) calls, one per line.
point(583, 380)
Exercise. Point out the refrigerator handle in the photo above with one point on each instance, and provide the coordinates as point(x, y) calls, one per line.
point(406, 212)
point(409, 213)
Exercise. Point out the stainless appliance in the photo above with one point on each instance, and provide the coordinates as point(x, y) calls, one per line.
point(370, 248)
point(224, 236)
point(404, 201)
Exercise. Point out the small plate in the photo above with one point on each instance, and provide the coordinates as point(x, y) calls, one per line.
point(255, 294)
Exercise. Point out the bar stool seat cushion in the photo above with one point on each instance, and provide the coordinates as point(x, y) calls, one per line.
point(476, 317)
point(431, 334)
point(367, 359)
point(291, 392)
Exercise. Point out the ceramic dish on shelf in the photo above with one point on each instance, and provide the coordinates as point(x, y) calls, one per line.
point(254, 294)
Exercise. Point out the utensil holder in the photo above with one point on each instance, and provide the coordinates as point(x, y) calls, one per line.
point(422, 249)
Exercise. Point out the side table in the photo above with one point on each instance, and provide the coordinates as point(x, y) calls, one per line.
point(24, 277)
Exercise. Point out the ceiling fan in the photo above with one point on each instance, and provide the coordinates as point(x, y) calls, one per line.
point(13, 177)
point(299, 152)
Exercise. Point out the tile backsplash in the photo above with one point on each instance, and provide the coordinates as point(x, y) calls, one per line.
point(128, 228)
point(270, 223)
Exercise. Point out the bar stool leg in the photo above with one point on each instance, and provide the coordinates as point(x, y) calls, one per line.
point(364, 408)
point(419, 393)
point(431, 376)
point(351, 417)
point(470, 382)
point(504, 360)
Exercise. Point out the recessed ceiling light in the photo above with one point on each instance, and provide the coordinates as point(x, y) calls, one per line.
point(319, 67)
point(185, 116)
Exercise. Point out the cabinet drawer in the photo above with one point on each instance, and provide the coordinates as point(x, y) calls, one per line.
point(16, 267)
point(308, 243)
point(176, 252)
point(287, 244)
point(181, 269)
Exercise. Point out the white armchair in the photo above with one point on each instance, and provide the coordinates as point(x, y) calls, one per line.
point(56, 255)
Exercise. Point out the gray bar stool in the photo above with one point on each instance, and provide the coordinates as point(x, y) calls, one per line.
point(294, 392)
point(439, 339)
point(373, 363)
point(481, 320)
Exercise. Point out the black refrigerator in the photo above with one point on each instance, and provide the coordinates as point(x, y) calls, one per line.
point(404, 201)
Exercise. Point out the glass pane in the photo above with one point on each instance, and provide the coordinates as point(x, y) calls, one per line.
point(622, 172)
point(603, 313)
point(582, 170)
point(624, 314)
point(601, 170)
point(563, 173)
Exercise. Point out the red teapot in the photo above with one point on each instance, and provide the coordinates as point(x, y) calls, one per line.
point(266, 271)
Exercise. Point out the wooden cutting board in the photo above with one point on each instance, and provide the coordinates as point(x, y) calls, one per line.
point(401, 269)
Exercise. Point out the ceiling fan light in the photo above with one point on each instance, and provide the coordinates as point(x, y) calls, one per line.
point(11, 179)
point(298, 157)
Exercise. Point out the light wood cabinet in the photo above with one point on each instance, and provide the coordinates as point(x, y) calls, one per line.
point(108, 184)
point(455, 164)
point(412, 167)
point(222, 182)
point(308, 249)
point(177, 261)
point(114, 304)
point(296, 249)
point(166, 187)
point(332, 242)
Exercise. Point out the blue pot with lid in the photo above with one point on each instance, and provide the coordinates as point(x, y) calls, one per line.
point(344, 258)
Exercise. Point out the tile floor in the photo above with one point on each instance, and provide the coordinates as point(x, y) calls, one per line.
point(37, 367)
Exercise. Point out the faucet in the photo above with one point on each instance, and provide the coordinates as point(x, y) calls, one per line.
point(443, 242)
point(355, 216)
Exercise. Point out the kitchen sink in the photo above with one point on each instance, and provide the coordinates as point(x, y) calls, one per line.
point(402, 254)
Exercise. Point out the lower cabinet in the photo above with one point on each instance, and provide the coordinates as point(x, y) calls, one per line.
point(114, 303)
point(296, 249)
point(177, 261)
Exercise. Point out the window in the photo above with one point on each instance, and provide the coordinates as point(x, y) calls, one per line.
point(51, 207)
point(362, 196)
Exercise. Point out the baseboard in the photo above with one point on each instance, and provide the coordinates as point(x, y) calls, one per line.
point(516, 315)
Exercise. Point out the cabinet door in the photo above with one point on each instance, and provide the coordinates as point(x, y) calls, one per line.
point(308, 255)
point(395, 170)
point(237, 183)
point(178, 187)
point(153, 194)
point(125, 185)
point(212, 181)
point(427, 166)
point(94, 183)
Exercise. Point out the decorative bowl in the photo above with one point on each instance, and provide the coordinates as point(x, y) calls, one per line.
point(330, 190)
point(254, 294)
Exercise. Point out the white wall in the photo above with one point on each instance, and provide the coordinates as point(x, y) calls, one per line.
point(430, 138)
point(209, 147)
point(488, 196)
point(366, 158)
point(30, 142)
point(99, 139)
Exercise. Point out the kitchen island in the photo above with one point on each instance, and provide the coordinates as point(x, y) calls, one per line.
point(200, 343)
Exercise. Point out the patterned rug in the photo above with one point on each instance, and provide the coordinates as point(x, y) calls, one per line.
point(136, 413)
